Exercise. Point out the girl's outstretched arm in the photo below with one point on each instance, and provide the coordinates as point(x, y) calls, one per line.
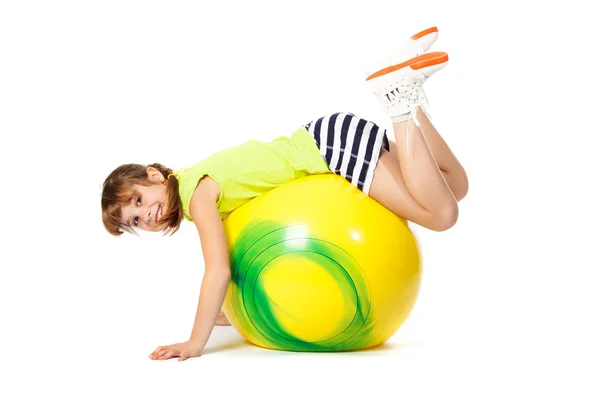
point(204, 212)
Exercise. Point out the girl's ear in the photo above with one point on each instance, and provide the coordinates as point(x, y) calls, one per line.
point(154, 175)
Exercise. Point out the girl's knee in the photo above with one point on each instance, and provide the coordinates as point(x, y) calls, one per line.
point(445, 219)
point(462, 189)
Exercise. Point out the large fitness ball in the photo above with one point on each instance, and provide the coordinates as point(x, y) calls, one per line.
point(317, 265)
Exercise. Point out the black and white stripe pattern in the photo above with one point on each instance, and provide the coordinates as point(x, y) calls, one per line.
point(350, 146)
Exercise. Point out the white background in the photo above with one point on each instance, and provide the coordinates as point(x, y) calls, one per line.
point(509, 300)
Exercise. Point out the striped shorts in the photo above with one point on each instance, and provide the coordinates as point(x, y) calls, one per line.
point(350, 146)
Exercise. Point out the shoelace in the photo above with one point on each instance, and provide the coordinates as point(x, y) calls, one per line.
point(416, 97)
point(420, 101)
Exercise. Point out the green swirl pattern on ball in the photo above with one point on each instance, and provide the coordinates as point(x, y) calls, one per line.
point(262, 242)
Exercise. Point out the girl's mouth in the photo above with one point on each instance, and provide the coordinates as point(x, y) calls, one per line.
point(158, 213)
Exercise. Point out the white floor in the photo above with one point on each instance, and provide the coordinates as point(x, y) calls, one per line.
point(509, 299)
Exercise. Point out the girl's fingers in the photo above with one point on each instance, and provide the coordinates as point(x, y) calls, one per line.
point(160, 351)
point(167, 354)
point(157, 351)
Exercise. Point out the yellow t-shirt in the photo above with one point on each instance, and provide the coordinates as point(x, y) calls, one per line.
point(253, 168)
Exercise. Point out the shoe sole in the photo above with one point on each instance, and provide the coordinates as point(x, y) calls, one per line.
point(425, 32)
point(419, 62)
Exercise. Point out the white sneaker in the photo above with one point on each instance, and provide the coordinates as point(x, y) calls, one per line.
point(400, 87)
point(413, 46)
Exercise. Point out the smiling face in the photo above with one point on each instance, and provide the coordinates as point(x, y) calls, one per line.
point(139, 196)
point(146, 207)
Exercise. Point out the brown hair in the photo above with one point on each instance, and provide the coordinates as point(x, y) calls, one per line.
point(117, 190)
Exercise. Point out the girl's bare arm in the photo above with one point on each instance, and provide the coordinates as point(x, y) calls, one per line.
point(205, 214)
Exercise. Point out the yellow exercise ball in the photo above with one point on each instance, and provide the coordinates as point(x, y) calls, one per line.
point(317, 265)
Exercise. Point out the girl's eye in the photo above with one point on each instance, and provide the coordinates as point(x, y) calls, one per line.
point(135, 221)
point(138, 201)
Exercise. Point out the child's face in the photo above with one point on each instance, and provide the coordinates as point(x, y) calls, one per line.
point(145, 210)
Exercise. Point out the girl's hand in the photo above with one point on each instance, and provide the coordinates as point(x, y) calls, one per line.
point(184, 351)
point(222, 320)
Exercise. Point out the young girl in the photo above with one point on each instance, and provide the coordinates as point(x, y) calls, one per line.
point(417, 177)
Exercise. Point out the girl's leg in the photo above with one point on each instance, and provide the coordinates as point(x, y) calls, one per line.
point(452, 171)
point(412, 186)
